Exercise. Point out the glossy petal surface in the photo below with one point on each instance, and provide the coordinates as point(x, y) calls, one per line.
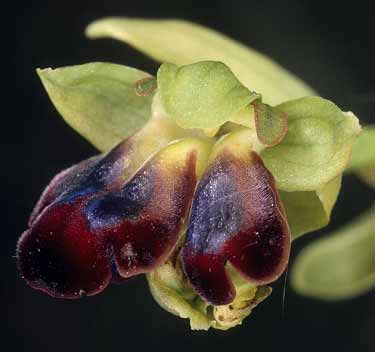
point(60, 256)
point(91, 227)
point(237, 216)
point(142, 221)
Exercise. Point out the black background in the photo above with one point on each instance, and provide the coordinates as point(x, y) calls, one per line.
point(329, 44)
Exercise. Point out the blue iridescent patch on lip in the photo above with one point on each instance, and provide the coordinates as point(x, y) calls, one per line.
point(74, 194)
point(99, 174)
point(113, 208)
point(234, 219)
point(93, 225)
point(215, 213)
point(110, 210)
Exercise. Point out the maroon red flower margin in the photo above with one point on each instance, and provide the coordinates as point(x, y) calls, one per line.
point(90, 228)
point(201, 184)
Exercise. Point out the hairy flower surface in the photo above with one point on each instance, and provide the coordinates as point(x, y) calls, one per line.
point(91, 227)
point(237, 216)
point(201, 184)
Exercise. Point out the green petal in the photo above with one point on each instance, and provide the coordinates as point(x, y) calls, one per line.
point(202, 95)
point(316, 148)
point(98, 100)
point(183, 43)
point(310, 211)
point(341, 265)
point(363, 155)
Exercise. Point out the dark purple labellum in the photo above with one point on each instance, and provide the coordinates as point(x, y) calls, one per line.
point(60, 256)
point(142, 220)
point(237, 216)
point(91, 227)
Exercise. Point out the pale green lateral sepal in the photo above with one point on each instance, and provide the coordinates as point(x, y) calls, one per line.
point(316, 148)
point(183, 43)
point(310, 210)
point(203, 95)
point(99, 100)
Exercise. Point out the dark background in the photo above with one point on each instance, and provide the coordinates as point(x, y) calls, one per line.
point(329, 44)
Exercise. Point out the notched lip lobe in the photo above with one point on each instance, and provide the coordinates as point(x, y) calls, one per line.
point(115, 267)
point(196, 276)
point(105, 234)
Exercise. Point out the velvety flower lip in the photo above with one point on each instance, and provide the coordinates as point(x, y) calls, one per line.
point(59, 256)
point(142, 220)
point(189, 196)
point(237, 216)
point(90, 227)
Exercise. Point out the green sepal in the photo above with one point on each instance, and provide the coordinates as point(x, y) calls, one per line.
point(203, 95)
point(182, 43)
point(310, 210)
point(316, 148)
point(99, 100)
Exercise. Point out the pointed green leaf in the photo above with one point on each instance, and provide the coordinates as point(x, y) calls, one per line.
point(363, 155)
point(202, 95)
point(183, 43)
point(311, 210)
point(316, 148)
point(98, 100)
point(341, 265)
